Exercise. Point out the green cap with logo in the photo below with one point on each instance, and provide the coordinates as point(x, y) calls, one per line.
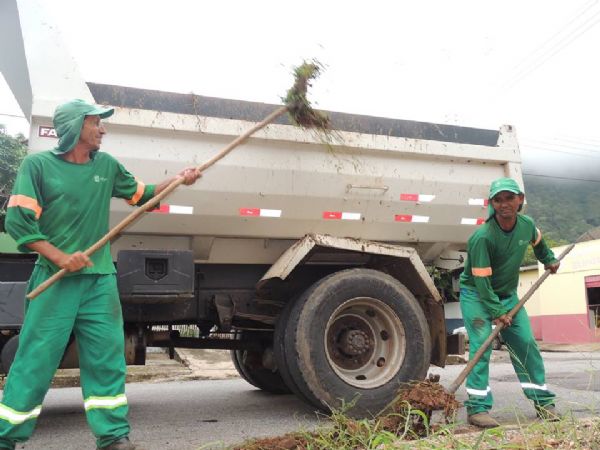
point(68, 121)
point(499, 185)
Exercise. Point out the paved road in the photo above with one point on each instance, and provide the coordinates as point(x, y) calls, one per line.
point(188, 415)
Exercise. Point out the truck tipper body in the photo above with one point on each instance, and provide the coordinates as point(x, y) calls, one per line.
point(304, 254)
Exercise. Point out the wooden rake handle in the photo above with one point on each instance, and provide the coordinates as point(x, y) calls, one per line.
point(496, 331)
point(150, 204)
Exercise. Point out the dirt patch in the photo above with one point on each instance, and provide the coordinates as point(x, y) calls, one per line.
point(415, 403)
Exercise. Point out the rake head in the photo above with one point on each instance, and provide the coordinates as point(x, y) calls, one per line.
point(299, 108)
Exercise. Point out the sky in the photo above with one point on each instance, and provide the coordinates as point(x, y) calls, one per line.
point(532, 64)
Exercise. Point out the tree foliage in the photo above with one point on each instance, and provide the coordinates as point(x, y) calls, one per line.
point(12, 151)
point(563, 209)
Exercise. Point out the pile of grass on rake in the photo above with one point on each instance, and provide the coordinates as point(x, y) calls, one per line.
point(299, 108)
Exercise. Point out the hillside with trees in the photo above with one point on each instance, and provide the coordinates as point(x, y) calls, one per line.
point(563, 209)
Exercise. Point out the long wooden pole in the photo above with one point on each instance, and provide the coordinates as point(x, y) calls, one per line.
point(150, 204)
point(496, 331)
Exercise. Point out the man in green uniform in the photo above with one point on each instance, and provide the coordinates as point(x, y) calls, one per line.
point(488, 291)
point(60, 207)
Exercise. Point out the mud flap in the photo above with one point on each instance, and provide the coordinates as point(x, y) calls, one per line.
point(437, 329)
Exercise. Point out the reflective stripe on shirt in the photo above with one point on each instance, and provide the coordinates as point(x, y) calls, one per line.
point(25, 202)
point(539, 237)
point(482, 271)
point(138, 193)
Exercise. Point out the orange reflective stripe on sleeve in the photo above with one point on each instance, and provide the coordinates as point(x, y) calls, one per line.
point(481, 271)
point(539, 237)
point(25, 202)
point(138, 193)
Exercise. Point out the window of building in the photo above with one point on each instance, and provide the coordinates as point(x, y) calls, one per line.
point(592, 286)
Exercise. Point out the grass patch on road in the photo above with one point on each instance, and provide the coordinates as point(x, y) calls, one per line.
point(349, 434)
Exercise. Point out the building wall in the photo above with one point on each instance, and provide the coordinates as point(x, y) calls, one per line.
point(534, 305)
point(560, 313)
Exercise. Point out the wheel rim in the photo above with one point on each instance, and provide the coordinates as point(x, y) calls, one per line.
point(365, 342)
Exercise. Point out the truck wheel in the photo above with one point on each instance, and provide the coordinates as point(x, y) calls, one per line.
point(7, 356)
point(353, 338)
point(281, 353)
point(250, 364)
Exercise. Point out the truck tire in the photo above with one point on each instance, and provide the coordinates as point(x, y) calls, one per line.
point(353, 338)
point(249, 364)
point(9, 350)
point(280, 352)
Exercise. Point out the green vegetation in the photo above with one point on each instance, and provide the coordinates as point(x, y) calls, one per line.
point(563, 209)
point(349, 434)
point(12, 152)
point(299, 107)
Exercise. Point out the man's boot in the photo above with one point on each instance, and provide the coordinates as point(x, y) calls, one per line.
point(483, 420)
point(547, 413)
point(120, 444)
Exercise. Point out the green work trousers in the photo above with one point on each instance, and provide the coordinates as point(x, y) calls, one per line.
point(522, 347)
point(89, 306)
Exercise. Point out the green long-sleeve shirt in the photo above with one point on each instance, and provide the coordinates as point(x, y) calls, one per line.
point(67, 204)
point(495, 256)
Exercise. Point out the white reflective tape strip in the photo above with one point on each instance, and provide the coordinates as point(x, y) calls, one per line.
point(16, 417)
point(270, 213)
point(176, 209)
point(478, 202)
point(478, 392)
point(420, 219)
point(350, 216)
point(534, 386)
point(426, 197)
point(471, 221)
point(105, 402)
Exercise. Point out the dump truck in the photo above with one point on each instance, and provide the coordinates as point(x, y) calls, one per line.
point(309, 257)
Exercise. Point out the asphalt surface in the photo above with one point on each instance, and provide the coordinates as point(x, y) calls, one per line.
point(191, 413)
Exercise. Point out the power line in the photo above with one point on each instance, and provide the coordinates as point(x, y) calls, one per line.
point(596, 145)
point(560, 178)
point(527, 59)
point(545, 149)
point(584, 144)
point(543, 145)
point(560, 45)
point(12, 115)
point(584, 140)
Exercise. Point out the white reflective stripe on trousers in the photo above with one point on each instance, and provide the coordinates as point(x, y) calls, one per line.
point(534, 386)
point(479, 392)
point(18, 417)
point(105, 402)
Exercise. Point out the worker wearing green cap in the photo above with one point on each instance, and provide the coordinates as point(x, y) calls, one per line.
point(488, 291)
point(58, 208)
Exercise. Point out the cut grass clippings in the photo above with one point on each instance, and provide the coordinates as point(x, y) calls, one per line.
point(300, 110)
point(349, 434)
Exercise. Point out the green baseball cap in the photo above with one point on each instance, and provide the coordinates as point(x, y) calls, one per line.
point(499, 185)
point(68, 120)
point(504, 184)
